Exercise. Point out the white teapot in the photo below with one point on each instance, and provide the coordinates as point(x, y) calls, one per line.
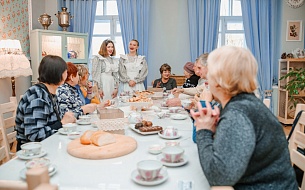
point(135, 117)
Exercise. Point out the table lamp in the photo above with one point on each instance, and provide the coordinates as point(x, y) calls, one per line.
point(13, 63)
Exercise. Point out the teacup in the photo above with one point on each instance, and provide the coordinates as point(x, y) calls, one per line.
point(85, 118)
point(37, 163)
point(149, 169)
point(186, 103)
point(172, 154)
point(174, 109)
point(170, 132)
point(69, 127)
point(31, 148)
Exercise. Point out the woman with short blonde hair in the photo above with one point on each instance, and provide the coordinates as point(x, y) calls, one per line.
point(244, 140)
point(238, 74)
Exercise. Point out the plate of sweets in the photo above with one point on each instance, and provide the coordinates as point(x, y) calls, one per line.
point(145, 128)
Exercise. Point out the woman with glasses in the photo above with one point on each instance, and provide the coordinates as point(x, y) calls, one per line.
point(105, 70)
point(85, 87)
point(242, 144)
point(132, 70)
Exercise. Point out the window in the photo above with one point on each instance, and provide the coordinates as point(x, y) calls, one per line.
point(231, 29)
point(107, 26)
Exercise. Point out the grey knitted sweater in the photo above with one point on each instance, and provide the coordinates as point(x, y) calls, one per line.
point(249, 149)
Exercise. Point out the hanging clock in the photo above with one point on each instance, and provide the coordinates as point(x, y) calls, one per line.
point(295, 3)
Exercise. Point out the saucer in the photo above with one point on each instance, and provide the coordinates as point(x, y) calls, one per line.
point(22, 173)
point(178, 116)
point(163, 175)
point(83, 122)
point(62, 131)
point(23, 157)
point(169, 138)
point(181, 162)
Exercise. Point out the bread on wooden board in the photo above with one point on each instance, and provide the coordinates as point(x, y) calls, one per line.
point(98, 138)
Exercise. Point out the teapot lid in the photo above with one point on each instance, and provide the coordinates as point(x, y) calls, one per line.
point(45, 15)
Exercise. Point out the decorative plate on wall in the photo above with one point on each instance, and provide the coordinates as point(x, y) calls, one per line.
point(295, 3)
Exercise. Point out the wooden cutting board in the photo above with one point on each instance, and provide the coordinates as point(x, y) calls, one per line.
point(123, 145)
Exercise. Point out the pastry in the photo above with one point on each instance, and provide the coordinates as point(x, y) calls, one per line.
point(138, 125)
point(148, 123)
point(149, 129)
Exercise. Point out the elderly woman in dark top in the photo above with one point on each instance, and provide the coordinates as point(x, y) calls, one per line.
point(68, 97)
point(191, 78)
point(243, 145)
point(165, 81)
point(37, 113)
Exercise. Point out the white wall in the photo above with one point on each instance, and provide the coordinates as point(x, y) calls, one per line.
point(289, 13)
point(46, 6)
point(168, 37)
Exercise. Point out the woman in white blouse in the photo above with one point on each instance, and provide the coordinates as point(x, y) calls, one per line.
point(105, 70)
point(132, 69)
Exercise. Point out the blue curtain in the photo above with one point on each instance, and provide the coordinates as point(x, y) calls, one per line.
point(83, 12)
point(203, 16)
point(262, 20)
point(134, 21)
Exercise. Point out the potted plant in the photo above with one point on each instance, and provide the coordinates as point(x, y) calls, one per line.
point(295, 85)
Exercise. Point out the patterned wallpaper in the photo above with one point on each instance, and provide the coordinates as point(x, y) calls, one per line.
point(14, 22)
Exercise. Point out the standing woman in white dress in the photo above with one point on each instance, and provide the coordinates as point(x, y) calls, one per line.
point(132, 69)
point(105, 71)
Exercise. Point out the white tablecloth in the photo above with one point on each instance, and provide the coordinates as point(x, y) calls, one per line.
point(115, 174)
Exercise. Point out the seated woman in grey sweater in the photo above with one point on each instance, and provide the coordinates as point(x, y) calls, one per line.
point(243, 145)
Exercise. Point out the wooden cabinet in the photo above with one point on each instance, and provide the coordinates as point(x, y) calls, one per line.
point(286, 109)
point(72, 47)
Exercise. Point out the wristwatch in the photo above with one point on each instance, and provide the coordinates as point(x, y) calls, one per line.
point(295, 3)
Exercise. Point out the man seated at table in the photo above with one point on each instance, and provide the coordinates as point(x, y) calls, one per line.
point(201, 70)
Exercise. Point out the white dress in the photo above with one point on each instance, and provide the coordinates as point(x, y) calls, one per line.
point(105, 72)
point(132, 68)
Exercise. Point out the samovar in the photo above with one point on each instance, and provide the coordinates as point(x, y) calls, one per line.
point(64, 18)
point(45, 20)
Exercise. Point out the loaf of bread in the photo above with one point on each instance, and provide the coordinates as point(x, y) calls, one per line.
point(149, 129)
point(86, 137)
point(98, 138)
point(101, 138)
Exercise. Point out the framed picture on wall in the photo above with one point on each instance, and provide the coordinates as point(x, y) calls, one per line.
point(294, 30)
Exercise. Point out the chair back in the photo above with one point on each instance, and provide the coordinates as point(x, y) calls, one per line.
point(7, 124)
point(298, 140)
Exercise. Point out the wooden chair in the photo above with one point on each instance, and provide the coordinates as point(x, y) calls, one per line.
point(7, 124)
point(297, 139)
point(36, 179)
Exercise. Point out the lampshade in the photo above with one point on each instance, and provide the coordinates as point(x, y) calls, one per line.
point(13, 62)
point(10, 46)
